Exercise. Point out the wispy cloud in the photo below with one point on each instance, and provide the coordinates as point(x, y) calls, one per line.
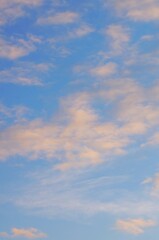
point(119, 38)
point(26, 73)
point(74, 33)
point(104, 70)
point(78, 192)
point(72, 193)
point(138, 10)
point(76, 145)
point(17, 113)
point(80, 31)
point(15, 49)
point(29, 233)
point(154, 183)
point(12, 10)
point(134, 226)
point(100, 71)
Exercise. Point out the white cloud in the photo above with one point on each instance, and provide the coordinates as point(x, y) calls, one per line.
point(60, 18)
point(134, 226)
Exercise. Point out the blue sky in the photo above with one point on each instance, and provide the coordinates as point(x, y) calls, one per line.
point(79, 109)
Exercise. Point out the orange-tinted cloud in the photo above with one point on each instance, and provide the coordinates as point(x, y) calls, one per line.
point(29, 233)
point(134, 226)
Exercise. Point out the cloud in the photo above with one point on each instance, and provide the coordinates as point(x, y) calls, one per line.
point(153, 140)
point(75, 146)
point(16, 113)
point(154, 183)
point(133, 106)
point(119, 37)
point(83, 192)
point(81, 31)
point(100, 72)
point(30, 233)
point(104, 70)
point(51, 193)
point(11, 50)
point(61, 18)
point(26, 73)
point(4, 234)
point(69, 138)
point(138, 10)
point(12, 10)
point(134, 226)
point(76, 32)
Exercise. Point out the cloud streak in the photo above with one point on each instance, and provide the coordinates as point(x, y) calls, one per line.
point(134, 226)
point(30, 233)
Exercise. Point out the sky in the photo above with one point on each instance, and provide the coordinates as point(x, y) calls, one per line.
point(79, 119)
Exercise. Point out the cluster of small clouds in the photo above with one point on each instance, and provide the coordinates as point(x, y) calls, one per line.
point(79, 136)
point(17, 113)
point(27, 73)
point(69, 138)
point(68, 142)
point(138, 11)
point(29, 233)
point(12, 10)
